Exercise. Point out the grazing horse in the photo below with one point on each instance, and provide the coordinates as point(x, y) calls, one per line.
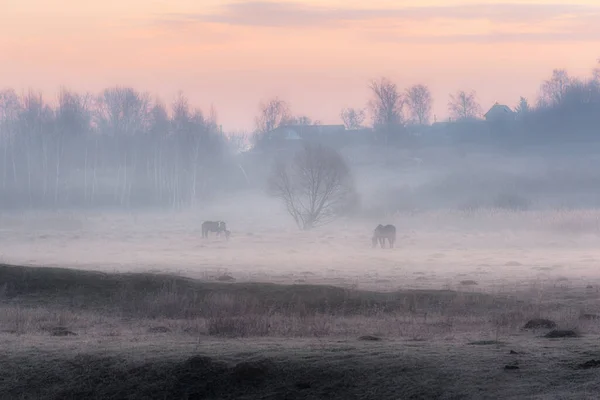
point(213, 226)
point(384, 232)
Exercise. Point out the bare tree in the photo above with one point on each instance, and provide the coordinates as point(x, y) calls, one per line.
point(159, 119)
point(302, 120)
point(419, 101)
point(273, 114)
point(464, 105)
point(353, 118)
point(553, 90)
point(387, 104)
point(386, 107)
point(181, 115)
point(123, 110)
point(316, 185)
point(74, 114)
point(10, 107)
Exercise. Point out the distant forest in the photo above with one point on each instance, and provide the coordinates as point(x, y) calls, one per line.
point(121, 148)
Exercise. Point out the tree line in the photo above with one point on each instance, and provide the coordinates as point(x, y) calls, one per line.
point(563, 103)
point(123, 148)
point(118, 148)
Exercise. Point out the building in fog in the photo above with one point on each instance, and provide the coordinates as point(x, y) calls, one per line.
point(500, 113)
point(332, 135)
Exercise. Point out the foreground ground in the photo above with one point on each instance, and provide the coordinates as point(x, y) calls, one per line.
point(69, 334)
point(170, 367)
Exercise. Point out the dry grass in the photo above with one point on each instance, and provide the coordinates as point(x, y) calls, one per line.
point(154, 336)
point(441, 335)
point(36, 298)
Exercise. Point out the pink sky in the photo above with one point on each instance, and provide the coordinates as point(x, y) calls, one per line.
point(318, 55)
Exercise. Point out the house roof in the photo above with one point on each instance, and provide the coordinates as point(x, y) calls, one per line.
point(499, 109)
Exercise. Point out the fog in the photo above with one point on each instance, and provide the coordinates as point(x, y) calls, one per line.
point(286, 233)
point(120, 181)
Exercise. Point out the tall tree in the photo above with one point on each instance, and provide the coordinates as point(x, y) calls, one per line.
point(302, 120)
point(353, 118)
point(10, 107)
point(554, 89)
point(316, 185)
point(123, 110)
point(74, 113)
point(387, 103)
point(523, 106)
point(464, 105)
point(159, 119)
point(419, 102)
point(272, 114)
point(386, 107)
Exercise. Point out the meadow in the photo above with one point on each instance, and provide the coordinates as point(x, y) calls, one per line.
point(138, 305)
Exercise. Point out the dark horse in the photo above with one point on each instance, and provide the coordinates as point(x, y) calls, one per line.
point(213, 226)
point(384, 232)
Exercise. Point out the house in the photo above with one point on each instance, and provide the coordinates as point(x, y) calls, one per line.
point(292, 135)
point(500, 113)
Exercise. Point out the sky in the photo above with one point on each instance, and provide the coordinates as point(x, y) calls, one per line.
point(319, 55)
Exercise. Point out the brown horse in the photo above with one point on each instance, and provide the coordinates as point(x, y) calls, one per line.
point(213, 226)
point(384, 232)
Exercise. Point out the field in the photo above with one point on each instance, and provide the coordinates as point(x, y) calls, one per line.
point(138, 305)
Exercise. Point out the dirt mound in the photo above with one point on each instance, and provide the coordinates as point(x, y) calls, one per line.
point(59, 331)
point(561, 334)
point(590, 364)
point(540, 323)
point(369, 338)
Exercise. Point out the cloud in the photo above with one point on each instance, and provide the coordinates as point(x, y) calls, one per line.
point(271, 14)
point(498, 37)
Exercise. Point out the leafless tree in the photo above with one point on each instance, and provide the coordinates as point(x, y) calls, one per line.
point(579, 93)
point(35, 114)
point(419, 101)
point(272, 114)
point(353, 118)
point(122, 110)
point(387, 103)
point(596, 73)
point(159, 119)
point(181, 115)
point(302, 120)
point(464, 105)
point(316, 185)
point(74, 112)
point(10, 107)
point(553, 90)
